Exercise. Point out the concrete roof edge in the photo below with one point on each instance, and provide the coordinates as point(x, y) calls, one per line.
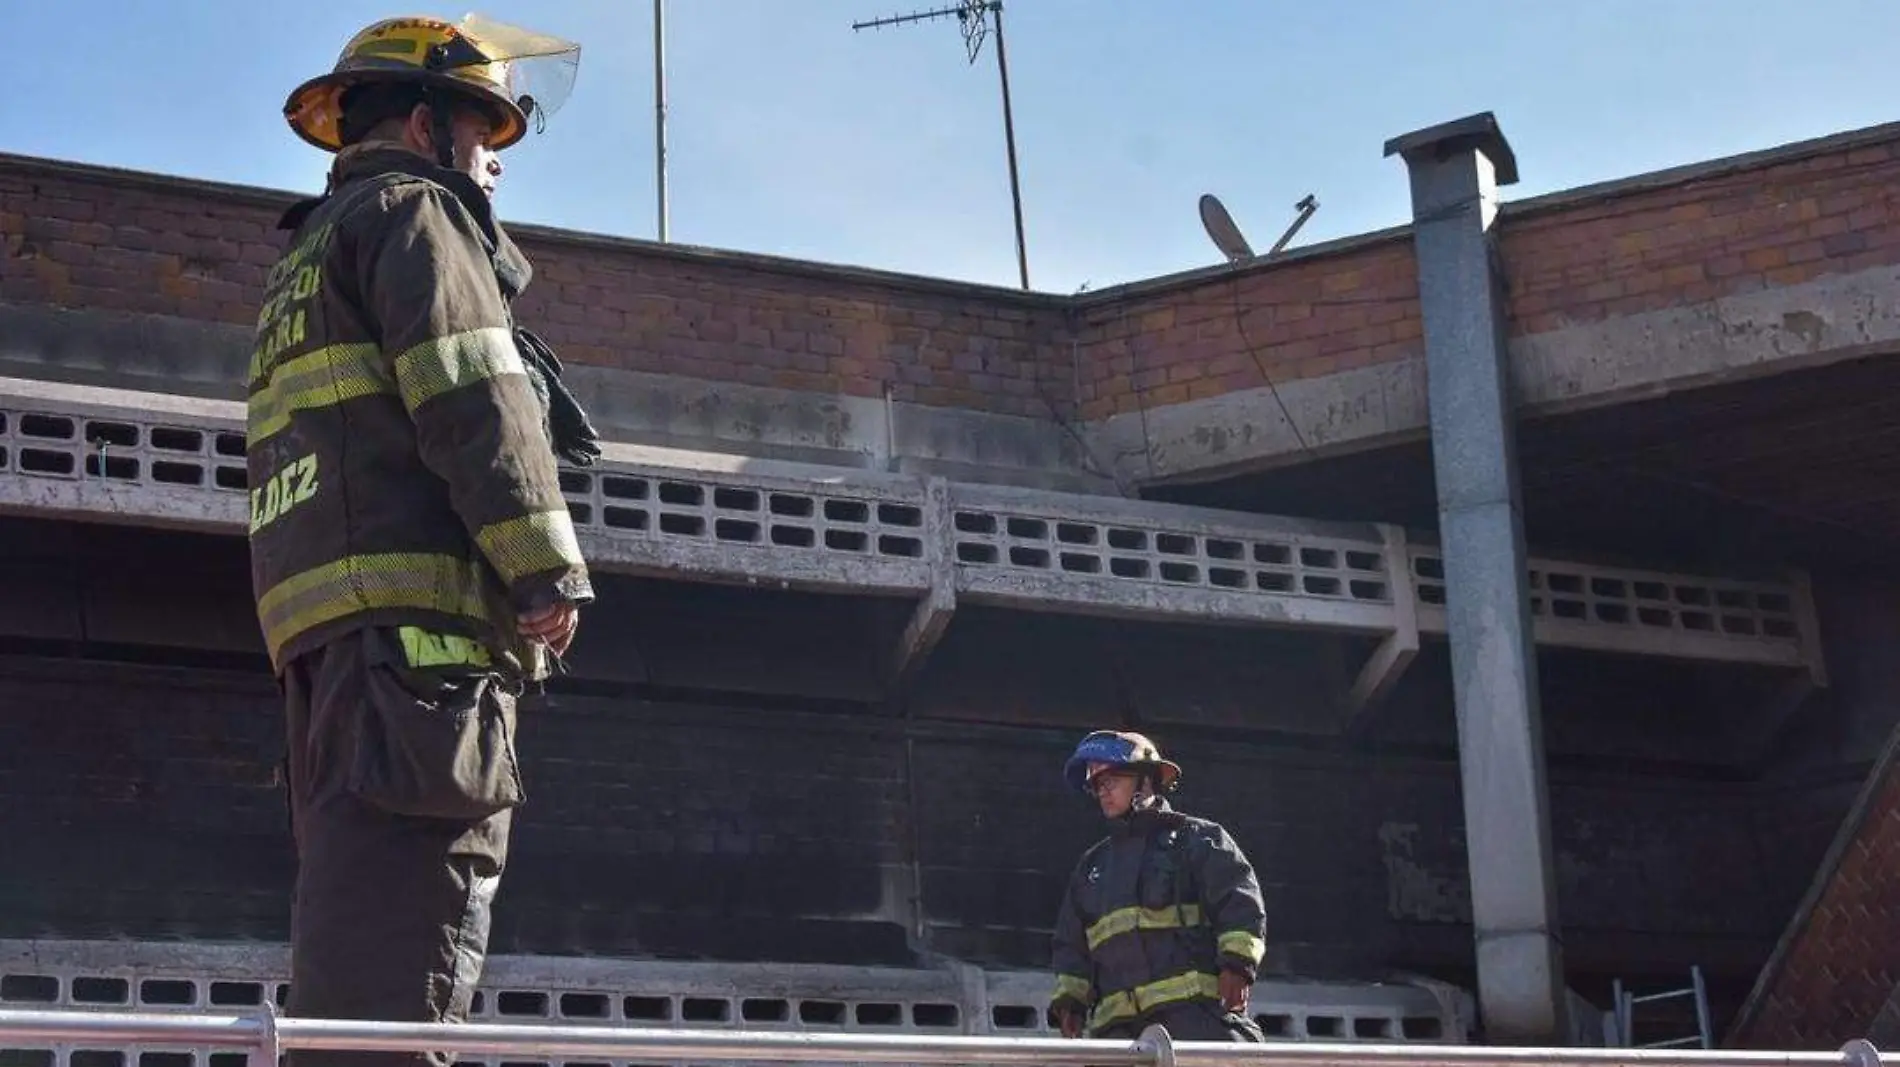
point(15, 163)
point(1200, 275)
point(1668, 177)
point(1885, 766)
point(722, 257)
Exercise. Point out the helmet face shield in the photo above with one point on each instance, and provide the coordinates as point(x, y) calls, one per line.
point(536, 70)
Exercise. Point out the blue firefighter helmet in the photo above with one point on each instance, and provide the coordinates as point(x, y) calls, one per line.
point(1119, 748)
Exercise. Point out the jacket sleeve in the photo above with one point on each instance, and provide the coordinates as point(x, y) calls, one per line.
point(1070, 959)
point(1232, 901)
point(436, 308)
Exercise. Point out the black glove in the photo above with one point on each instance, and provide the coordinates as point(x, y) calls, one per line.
point(573, 436)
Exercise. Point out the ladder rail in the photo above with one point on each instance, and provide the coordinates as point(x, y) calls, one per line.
point(1623, 1011)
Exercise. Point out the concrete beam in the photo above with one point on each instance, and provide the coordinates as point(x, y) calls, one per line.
point(1396, 650)
point(1455, 172)
point(870, 433)
point(1756, 745)
point(164, 354)
point(125, 351)
point(932, 615)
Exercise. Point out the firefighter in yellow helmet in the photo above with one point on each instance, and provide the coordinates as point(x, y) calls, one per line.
point(414, 564)
point(1163, 922)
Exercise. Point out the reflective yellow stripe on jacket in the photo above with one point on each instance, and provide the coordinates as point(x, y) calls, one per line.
point(319, 379)
point(340, 372)
point(418, 580)
point(1244, 944)
point(1073, 988)
point(1127, 920)
point(536, 542)
point(1130, 1003)
point(442, 364)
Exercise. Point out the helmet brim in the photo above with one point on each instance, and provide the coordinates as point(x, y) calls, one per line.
point(1168, 772)
point(314, 109)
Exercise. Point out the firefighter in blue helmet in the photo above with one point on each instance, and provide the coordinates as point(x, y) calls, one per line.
point(1162, 921)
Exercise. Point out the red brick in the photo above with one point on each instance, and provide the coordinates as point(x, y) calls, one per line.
point(1844, 244)
point(1765, 258)
point(1805, 252)
point(1836, 972)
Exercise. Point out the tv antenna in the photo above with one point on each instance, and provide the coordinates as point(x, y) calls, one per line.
point(975, 16)
point(1227, 237)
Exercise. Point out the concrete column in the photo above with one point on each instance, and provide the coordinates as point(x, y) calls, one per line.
point(1455, 171)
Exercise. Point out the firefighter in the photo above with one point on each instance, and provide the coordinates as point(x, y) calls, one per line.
point(1162, 921)
point(414, 565)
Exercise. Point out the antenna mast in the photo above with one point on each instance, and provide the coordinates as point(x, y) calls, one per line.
point(659, 115)
point(975, 17)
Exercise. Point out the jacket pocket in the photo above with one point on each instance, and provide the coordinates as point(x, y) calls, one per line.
point(1164, 879)
point(434, 741)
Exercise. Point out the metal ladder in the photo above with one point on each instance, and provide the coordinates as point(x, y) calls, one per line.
point(1625, 1014)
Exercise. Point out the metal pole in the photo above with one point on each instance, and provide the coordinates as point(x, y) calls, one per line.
point(659, 109)
point(607, 1042)
point(1009, 140)
point(29, 1028)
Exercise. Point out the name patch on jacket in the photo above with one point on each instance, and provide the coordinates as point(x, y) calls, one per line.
point(290, 486)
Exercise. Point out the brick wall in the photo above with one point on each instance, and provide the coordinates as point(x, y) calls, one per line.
point(139, 801)
point(723, 777)
point(1586, 257)
point(87, 238)
point(83, 238)
point(1836, 967)
point(145, 803)
point(1624, 249)
point(1308, 318)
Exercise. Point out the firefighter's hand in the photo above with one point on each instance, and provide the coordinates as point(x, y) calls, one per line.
point(1235, 991)
point(553, 626)
point(1070, 1021)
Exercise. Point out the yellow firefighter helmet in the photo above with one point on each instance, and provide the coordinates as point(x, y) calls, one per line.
point(518, 75)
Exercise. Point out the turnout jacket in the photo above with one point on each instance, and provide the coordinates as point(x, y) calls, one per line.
point(1152, 914)
point(400, 469)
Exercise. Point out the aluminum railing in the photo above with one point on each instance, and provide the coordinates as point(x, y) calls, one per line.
point(264, 1036)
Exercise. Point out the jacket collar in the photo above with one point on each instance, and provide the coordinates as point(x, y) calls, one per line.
point(372, 158)
point(1146, 820)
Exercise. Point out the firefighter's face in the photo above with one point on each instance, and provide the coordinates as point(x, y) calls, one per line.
point(473, 157)
point(472, 131)
point(1115, 789)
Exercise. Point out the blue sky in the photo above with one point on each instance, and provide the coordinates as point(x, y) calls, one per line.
point(791, 135)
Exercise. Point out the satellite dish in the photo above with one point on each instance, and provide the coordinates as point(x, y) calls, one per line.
point(1221, 229)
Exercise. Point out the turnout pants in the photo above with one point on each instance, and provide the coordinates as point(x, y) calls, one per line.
point(403, 779)
point(1193, 1020)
